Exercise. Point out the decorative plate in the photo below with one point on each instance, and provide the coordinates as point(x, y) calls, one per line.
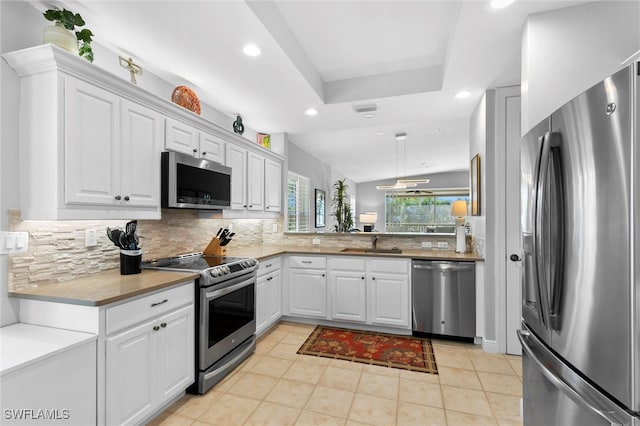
point(186, 98)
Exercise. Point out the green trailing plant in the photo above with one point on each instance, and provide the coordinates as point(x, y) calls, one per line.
point(71, 21)
point(341, 207)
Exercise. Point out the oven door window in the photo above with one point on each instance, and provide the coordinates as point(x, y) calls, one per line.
point(230, 312)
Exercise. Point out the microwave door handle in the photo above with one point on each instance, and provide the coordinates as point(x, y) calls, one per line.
point(540, 230)
point(557, 234)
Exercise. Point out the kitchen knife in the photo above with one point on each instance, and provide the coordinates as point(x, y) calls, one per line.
point(219, 232)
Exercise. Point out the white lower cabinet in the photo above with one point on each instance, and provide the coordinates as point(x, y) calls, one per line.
point(268, 294)
point(347, 288)
point(307, 289)
point(151, 362)
point(373, 291)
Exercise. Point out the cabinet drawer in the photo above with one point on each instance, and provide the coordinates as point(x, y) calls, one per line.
point(388, 266)
point(131, 313)
point(269, 265)
point(346, 263)
point(309, 262)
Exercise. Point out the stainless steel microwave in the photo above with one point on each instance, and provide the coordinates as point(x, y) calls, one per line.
point(194, 183)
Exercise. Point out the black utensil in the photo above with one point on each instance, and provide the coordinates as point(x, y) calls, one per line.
point(219, 232)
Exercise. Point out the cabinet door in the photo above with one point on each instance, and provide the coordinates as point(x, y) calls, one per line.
point(255, 181)
point(348, 295)
point(389, 300)
point(129, 391)
point(274, 296)
point(92, 147)
point(212, 148)
point(175, 368)
point(237, 160)
point(139, 163)
point(262, 304)
point(272, 185)
point(307, 293)
point(181, 137)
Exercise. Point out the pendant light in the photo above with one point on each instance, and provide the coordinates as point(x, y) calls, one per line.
point(402, 183)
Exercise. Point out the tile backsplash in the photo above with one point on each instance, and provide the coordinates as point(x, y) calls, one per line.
point(57, 249)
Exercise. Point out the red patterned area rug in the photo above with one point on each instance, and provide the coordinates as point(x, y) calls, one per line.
point(387, 350)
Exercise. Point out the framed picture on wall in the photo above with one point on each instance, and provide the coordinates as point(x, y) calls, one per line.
point(475, 185)
point(320, 208)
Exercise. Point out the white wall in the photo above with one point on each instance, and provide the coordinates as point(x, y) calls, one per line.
point(371, 199)
point(566, 51)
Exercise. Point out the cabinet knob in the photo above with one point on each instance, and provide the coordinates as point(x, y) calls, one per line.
point(156, 328)
point(163, 325)
point(126, 198)
point(323, 275)
point(195, 150)
point(267, 207)
point(373, 278)
point(204, 153)
point(362, 278)
point(514, 258)
point(118, 197)
point(250, 205)
point(244, 205)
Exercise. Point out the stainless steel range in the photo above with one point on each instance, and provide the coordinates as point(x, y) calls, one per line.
point(225, 312)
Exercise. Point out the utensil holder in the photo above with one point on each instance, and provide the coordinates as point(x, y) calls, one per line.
point(215, 249)
point(130, 262)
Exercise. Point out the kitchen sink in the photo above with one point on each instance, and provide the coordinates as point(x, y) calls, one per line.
point(370, 250)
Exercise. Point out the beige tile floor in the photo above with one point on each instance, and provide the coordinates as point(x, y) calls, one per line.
point(276, 386)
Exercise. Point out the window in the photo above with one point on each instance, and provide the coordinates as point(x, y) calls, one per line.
point(298, 203)
point(421, 212)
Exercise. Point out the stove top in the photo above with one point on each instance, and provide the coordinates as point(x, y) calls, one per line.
point(212, 269)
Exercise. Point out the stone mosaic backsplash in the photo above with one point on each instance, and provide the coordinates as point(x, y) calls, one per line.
point(57, 249)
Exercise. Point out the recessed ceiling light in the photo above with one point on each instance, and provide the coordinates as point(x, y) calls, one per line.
point(438, 131)
point(461, 95)
point(380, 133)
point(369, 115)
point(499, 4)
point(252, 50)
point(311, 112)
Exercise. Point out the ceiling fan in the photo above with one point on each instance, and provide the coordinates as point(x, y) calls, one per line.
point(401, 184)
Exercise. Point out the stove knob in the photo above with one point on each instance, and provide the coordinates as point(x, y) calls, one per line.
point(214, 272)
point(226, 269)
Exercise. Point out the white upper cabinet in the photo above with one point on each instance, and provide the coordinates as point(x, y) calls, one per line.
point(237, 160)
point(182, 137)
point(272, 185)
point(255, 181)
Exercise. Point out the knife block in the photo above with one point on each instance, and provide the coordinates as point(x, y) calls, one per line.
point(214, 248)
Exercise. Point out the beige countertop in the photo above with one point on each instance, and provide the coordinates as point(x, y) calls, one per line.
point(108, 287)
point(104, 288)
point(262, 252)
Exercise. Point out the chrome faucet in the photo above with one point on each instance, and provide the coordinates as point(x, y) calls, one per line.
point(374, 242)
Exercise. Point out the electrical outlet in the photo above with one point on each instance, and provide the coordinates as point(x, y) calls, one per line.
point(14, 242)
point(274, 228)
point(316, 241)
point(90, 238)
point(426, 244)
point(443, 244)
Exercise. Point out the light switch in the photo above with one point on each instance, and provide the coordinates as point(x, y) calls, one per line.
point(14, 242)
point(90, 238)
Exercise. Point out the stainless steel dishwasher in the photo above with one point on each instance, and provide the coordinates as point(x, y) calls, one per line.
point(444, 298)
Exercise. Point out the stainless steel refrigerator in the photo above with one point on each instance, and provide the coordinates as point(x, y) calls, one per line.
point(580, 185)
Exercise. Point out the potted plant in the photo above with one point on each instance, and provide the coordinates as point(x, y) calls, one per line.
point(64, 34)
point(341, 207)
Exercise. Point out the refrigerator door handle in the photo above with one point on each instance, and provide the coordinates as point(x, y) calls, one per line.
point(556, 234)
point(538, 224)
point(614, 417)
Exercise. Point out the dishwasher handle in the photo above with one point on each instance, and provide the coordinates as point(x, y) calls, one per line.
point(445, 266)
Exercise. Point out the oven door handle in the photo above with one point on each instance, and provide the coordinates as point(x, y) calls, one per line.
point(227, 290)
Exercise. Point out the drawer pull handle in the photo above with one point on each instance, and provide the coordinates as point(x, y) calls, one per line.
point(156, 328)
point(163, 325)
point(269, 279)
point(306, 261)
point(159, 303)
point(268, 265)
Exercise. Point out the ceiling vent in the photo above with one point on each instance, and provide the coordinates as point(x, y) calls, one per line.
point(365, 109)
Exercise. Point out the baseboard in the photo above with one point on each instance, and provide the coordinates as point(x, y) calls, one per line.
point(490, 346)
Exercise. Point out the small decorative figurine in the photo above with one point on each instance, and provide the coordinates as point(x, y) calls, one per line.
point(238, 127)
